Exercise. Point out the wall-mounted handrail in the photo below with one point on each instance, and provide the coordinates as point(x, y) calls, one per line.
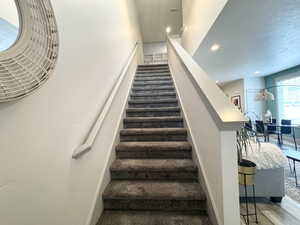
point(87, 145)
point(227, 114)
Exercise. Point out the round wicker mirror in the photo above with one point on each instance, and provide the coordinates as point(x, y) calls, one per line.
point(30, 61)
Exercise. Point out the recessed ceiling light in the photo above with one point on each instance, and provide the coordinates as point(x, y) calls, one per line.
point(257, 72)
point(168, 29)
point(214, 47)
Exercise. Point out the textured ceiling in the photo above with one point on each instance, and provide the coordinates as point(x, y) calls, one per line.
point(156, 15)
point(254, 36)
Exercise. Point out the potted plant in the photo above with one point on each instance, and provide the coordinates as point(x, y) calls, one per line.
point(247, 168)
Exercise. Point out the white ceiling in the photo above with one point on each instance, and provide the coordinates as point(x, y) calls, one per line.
point(156, 15)
point(254, 35)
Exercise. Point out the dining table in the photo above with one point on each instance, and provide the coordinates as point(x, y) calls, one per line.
point(279, 126)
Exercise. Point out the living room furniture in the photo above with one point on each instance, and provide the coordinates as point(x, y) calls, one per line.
point(269, 178)
point(272, 130)
point(260, 129)
point(295, 157)
point(288, 129)
point(245, 185)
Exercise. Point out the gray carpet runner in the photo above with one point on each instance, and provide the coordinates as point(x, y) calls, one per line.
point(154, 180)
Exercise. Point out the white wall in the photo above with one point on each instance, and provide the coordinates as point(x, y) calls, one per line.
point(39, 181)
point(155, 47)
point(247, 88)
point(254, 109)
point(198, 17)
point(214, 141)
point(235, 88)
point(8, 11)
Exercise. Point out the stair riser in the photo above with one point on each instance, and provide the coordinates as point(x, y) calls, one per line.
point(158, 70)
point(155, 175)
point(169, 88)
point(158, 124)
point(161, 205)
point(152, 71)
point(153, 65)
point(153, 114)
point(154, 68)
point(152, 75)
point(152, 105)
point(172, 137)
point(154, 154)
point(153, 92)
point(154, 78)
point(153, 86)
point(162, 78)
point(162, 83)
point(134, 97)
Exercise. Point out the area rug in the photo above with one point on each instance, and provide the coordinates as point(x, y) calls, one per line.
point(290, 183)
point(291, 190)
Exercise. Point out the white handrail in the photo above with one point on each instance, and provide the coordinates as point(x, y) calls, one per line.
point(227, 114)
point(87, 145)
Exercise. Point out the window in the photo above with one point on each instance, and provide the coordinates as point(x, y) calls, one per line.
point(8, 34)
point(9, 24)
point(288, 99)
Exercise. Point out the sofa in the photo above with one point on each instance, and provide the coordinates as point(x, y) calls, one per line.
point(269, 178)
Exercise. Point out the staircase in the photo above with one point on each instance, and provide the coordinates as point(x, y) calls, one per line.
point(154, 180)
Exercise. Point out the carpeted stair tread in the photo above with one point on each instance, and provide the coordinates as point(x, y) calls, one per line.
point(154, 190)
point(153, 103)
point(163, 146)
point(157, 131)
point(154, 150)
point(151, 218)
point(154, 165)
point(153, 134)
point(145, 96)
point(153, 119)
point(153, 122)
point(153, 89)
point(154, 169)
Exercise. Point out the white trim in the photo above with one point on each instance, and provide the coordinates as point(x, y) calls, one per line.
point(87, 145)
point(227, 115)
point(196, 150)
